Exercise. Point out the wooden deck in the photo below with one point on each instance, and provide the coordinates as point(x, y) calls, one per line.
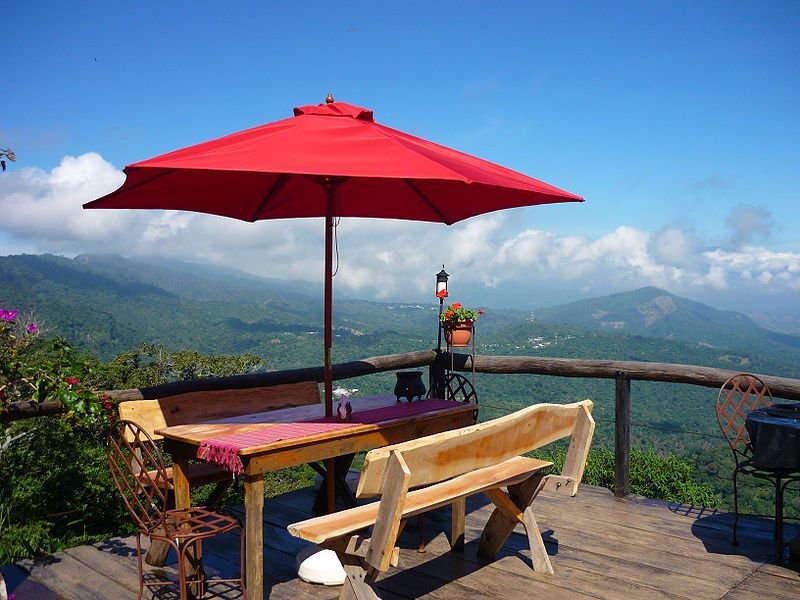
point(600, 546)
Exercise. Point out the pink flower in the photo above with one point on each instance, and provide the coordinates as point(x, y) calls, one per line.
point(7, 315)
point(72, 381)
point(32, 328)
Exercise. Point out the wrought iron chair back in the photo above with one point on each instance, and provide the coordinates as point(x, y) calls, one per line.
point(738, 396)
point(138, 470)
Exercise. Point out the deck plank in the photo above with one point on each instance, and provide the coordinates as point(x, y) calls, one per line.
point(762, 585)
point(601, 547)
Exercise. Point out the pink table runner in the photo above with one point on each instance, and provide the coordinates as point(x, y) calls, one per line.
point(224, 450)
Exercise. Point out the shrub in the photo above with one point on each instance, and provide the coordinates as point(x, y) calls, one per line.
point(662, 477)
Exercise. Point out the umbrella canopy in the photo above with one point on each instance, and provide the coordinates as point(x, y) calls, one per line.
point(281, 170)
point(330, 160)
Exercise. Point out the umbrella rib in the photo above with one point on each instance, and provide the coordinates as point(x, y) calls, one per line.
point(432, 206)
point(276, 187)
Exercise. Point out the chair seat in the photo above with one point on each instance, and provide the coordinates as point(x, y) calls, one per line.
point(747, 466)
point(194, 522)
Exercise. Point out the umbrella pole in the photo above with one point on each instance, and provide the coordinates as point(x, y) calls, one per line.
point(330, 489)
point(328, 315)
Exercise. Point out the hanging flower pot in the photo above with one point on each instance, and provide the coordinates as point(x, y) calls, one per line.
point(458, 334)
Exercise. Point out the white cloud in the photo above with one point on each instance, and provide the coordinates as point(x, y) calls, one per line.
point(673, 246)
point(46, 207)
point(384, 258)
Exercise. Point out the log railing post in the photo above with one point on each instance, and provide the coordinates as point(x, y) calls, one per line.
point(436, 371)
point(622, 437)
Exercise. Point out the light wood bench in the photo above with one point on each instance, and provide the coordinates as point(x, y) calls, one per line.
point(447, 468)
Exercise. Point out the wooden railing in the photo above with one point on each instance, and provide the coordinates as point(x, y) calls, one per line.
point(623, 372)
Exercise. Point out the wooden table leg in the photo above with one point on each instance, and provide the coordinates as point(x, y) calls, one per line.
point(254, 532)
point(342, 466)
point(180, 481)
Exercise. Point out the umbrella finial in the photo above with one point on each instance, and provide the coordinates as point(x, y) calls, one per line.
point(329, 99)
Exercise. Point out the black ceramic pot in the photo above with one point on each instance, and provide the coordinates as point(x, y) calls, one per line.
point(409, 385)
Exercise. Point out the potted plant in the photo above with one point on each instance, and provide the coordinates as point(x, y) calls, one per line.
point(458, 322)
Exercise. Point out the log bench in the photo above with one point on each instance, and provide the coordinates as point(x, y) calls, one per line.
point(196, 407)
point(446, 468)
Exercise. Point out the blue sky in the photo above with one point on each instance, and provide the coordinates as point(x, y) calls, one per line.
point(677, 121)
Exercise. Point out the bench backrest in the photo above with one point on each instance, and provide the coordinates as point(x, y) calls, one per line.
point(194, 407)
point(448, 454)
point(391, 471)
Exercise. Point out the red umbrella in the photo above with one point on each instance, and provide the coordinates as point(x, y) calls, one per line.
point(331, 160)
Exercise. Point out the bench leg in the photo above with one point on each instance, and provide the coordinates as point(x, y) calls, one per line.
point(500, 524)
point(539, 558)
point(458, 524)
point(215, 497)
point(157, 553)
point(360, 581)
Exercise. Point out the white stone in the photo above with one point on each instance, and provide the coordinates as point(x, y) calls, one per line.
point(320, 565)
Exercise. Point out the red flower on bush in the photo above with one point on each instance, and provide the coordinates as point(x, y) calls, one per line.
point(72, 381)
point(108, 404)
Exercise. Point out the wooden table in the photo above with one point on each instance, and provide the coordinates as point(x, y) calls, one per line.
point(183, 441)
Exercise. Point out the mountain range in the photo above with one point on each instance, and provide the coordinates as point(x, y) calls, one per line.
point(107, 304)
point(652, 312)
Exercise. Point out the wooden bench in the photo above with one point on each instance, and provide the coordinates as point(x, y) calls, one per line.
point(195, 407)
point(447, 468)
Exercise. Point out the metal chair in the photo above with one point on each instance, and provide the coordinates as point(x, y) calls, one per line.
point(738, 396)
point(138, 470)
point(457, 387)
